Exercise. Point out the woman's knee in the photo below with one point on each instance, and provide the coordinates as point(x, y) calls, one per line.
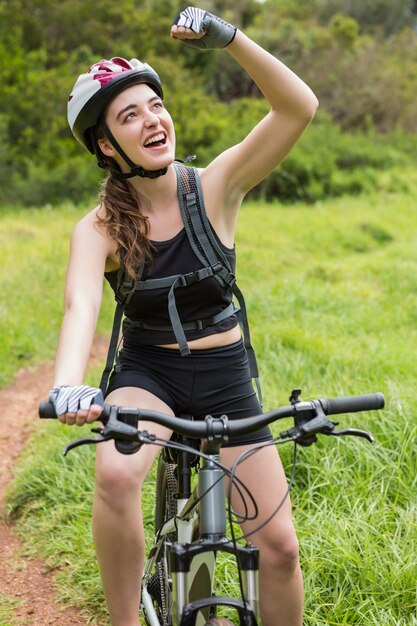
point(280, 550)
point(117, 478)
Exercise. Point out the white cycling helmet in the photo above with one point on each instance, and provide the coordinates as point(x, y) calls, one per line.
point(94, 90)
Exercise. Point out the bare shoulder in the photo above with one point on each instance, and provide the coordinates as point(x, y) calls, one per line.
point(90, 235)
point(91, 220)
point(91, 226)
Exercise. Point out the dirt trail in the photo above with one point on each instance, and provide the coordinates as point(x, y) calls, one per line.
point(28, 581)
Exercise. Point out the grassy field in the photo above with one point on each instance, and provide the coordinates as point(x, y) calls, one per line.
point(7, 610)
point(332, 295)
point(34, 246)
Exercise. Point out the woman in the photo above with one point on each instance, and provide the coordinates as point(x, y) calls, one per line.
point(116, 111)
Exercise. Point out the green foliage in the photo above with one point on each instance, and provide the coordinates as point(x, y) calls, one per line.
point(357, 75)
point(331, 294)
point(79, 177)
point(382, 15)
point(371, 14)
point(359, 57)
point(328, 161)
point(345, 30)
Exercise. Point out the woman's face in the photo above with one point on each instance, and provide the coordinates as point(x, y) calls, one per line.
point(143, 128)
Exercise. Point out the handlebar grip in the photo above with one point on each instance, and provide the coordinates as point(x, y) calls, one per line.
point(47, 410)
point(353, 404)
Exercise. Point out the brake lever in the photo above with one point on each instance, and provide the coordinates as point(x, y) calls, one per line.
point(307, 436)
point(84, 441)
point(113, 429)
point(354, 432)
point(305, 432)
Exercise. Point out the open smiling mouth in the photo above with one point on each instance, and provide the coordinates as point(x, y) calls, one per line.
point(155, 141)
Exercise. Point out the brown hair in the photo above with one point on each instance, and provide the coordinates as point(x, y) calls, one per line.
point(121, 214)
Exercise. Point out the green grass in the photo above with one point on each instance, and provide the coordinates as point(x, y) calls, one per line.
point(332, 296)
point(8, 607)
point(34, 246)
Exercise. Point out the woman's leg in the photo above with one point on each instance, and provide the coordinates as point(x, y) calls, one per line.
point(281, 585)
point(117, 517)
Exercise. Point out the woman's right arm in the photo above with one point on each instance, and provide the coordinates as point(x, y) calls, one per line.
point(90, 249)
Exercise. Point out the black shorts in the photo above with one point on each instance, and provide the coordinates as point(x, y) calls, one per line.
point(213, 382)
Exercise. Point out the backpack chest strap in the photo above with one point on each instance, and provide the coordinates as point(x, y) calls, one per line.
point(173, 283)
point(180, 280)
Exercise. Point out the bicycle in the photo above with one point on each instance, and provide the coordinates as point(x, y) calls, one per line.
point(178, 586)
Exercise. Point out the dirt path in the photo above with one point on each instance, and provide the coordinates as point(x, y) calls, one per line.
point(27, 581)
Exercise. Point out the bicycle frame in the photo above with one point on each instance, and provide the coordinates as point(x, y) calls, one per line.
point(193, 560)
point(191, 557)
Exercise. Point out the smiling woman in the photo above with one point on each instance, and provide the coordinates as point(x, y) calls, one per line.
point(182, 347)
point(138, 119)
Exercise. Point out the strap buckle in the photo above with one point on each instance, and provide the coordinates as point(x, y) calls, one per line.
point(123, 292)
point(186, 280)
point(189, 279)
point(227, 277)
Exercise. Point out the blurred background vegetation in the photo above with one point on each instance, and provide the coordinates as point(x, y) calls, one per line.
point(359, 56)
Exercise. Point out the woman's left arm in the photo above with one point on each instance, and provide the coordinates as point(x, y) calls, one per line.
point(293, 106)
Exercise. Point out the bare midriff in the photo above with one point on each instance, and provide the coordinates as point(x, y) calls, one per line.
point(212, 341)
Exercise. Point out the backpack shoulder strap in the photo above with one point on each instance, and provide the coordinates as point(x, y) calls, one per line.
point(206, 248)
point(123, 292)
point(197, 226)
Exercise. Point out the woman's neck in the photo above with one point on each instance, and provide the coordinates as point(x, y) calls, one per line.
point(158, 191)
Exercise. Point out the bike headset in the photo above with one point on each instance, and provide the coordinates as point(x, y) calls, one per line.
point(93, 92)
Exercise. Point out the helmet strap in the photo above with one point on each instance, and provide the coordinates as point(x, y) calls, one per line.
point(135, 170)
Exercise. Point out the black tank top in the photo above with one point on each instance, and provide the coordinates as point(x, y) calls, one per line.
point(197, 301)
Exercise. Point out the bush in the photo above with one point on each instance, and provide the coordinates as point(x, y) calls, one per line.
point(328, 161)
point(76, 179)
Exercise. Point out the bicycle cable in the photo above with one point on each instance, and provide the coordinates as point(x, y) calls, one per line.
point(236, 481)
point(284, 497)
point(242, 457)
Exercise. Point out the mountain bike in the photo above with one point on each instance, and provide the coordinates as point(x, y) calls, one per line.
point(178, 584)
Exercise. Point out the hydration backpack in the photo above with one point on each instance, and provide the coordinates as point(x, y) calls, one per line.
point(215, 264)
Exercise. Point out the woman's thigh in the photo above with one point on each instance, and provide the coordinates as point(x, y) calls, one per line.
point(263, 475)
point(116, 471)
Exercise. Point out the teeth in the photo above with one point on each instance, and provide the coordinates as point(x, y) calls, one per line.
point(154, 139)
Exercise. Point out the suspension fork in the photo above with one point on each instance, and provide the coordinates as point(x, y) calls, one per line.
point(192, 564)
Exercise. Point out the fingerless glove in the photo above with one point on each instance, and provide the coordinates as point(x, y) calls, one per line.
point(69, 399)
point(218, 33)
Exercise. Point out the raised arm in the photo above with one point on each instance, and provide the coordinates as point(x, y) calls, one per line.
point(293, 106)
point(292, 102)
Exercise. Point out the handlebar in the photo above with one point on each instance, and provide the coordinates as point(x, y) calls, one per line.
point(353, 404)
point(309, 420)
